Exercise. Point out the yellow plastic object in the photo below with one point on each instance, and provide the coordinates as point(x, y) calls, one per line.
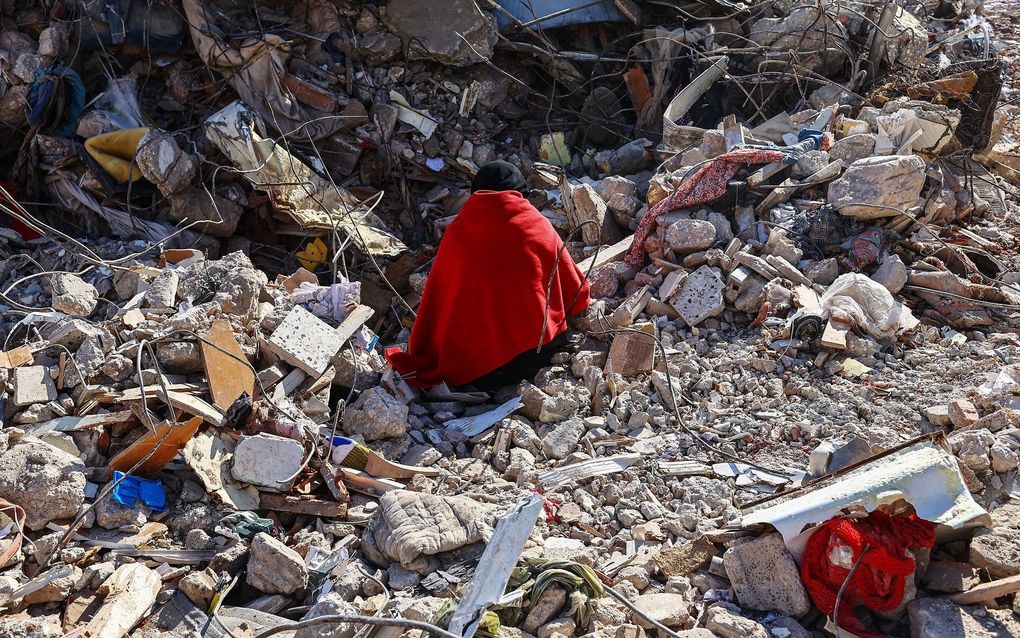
point(114, 152)
point(313, 255)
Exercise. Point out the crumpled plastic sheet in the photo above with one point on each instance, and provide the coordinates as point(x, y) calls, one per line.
point(704, 185)
point(328, 302)
point(867, 304)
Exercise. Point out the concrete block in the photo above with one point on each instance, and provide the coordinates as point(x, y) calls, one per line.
point(305, 341)
point(32, 384)
point(267, 460)
point(701, 298)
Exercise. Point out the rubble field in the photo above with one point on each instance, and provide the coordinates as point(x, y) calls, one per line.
point(793, 411)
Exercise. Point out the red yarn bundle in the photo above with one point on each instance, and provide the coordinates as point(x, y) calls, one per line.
point(880, 579)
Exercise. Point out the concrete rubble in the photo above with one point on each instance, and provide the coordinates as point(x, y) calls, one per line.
point(216, 215)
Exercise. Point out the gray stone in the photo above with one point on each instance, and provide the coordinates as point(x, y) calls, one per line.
point(817, 42)
point(545, 608)
point(32, 384)
point(949, 577)
point(330, 604)
point(780, 245)
point(810, 163)
point(162, 292)
point(940, 618)
point(305, 341)
point(562, 439)
point(938, 415)
point(877, 187)
point(163, 163)
point(250, 458)
point(996, 550)
point(891, 273)
point(853, 147)
point(199, 587)
point(232, 280)
point(687, 236)
point(823, 271)
point(765, 577)
point(48, 483)
point(998, 420)
point(668, 609)
point(376, 415)
point(56, 590)
point(430, 32)
point(972, 447)
point(399, 578)
point(275, 568)
point(72, 295)
point(71, 333)
point(112, 515)
point(728, 624)
point(1003, 459)
point(701, 297)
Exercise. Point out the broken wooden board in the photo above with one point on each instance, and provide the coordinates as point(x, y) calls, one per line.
point(192, 405)
point(226, 367)
point(178, 436)
point(300, 276)
point(987, 591)
point(131, 591)
point(606, 255)
point(79, 423)
point(135, 394)
point(354, 320)
point(632, 352)
point(20, 356)
point(834, 335)
point(302, 505)
point(805, 297)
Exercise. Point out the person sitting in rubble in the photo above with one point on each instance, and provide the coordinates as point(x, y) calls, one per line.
point(500, 294)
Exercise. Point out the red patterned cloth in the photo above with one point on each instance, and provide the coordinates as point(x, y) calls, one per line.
point(706, 184)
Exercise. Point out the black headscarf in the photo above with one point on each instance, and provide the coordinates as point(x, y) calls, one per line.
point(499, 176)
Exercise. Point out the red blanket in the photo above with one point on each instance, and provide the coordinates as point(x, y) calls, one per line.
point(485, 298)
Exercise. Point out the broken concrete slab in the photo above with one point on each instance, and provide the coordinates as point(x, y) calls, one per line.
point(765, 577)
point(877, 187)
point(305, 341)
point(73, 295)
point(457, 34)
point(48, 483)
point(940, 618)
point(252, 453)
point(376, 415)
point(33, 384)
point(701, 297)
point(275, 568)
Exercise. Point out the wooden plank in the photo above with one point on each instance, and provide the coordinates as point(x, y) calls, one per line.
point(194, 406)
point(804, 297)
point(607, 255)
point(19, 356)
point(132, 454)
point(988, 591)
point(632, 352)
point(834, 335)
point(301, 505)
point(226, 367)
point(354, 320)
point(131, 591)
